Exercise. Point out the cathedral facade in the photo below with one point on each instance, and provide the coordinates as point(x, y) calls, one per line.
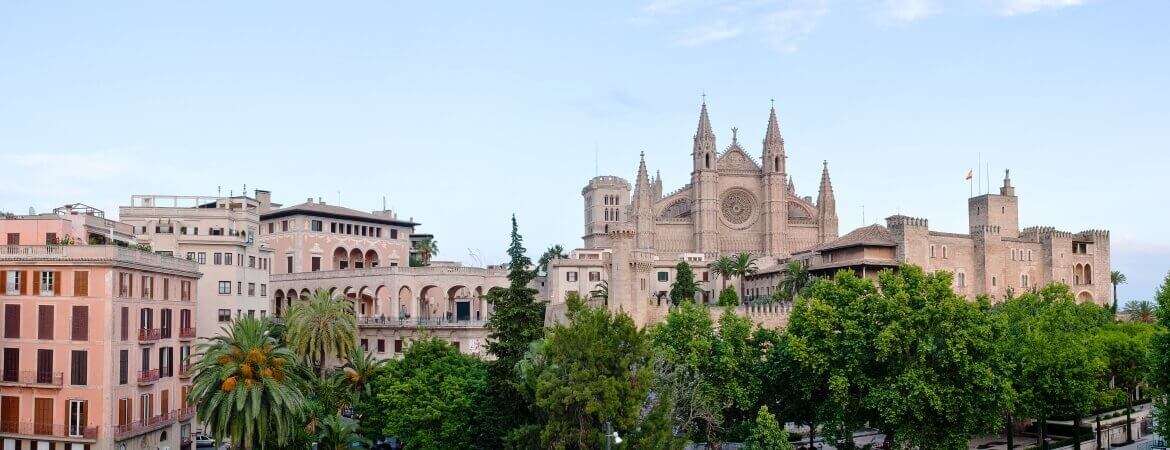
point(734, 203)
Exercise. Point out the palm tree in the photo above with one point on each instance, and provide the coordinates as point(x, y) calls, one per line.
point(744, 264)
point(796, 279)
point(357, 372)
point(1116, 278)
point(725, 268)
point(427, 248)
point(601, 291)
point(339, 433)
point(1140, 311)
point(248, 386)
point(554, 252)
point(321, 326)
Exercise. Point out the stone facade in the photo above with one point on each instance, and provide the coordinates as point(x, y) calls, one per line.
point(734, 203)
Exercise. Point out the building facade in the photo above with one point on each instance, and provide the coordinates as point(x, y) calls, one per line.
point(994, 258)
point(94, 339)
point(218, 233)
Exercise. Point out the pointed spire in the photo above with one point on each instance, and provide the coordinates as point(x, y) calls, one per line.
point(657, 184)
point(791, 187)
point(825, 195)
point(773, 141)
point(643, 178)
point(704, 129)
point(703, 153)
point(1007, 188)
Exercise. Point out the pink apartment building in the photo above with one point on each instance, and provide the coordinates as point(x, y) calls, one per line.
point(94, 337)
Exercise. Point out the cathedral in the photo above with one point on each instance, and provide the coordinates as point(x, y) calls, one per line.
point(734, 203)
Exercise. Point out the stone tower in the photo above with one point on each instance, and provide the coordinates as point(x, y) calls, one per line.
point(606, 202)
point(1001, 210)
point(775, 187)
point(705, 179)
point(826, 208)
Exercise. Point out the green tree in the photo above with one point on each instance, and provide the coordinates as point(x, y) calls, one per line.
point(340, 433)
point(1141, 311)
point(684, 286)
point(728, 297)
point(554, 252)
point(683, 345)
point(796, 280)
point(767, 434)
point(1116, 278)
point(597, 370)
point(248, 387)
point(601, 290)
point(1126, 348)
point(431, 399)
point(744, 264)
point(735, 372)
point(1159, 373)
point(517, 321)
point(725, 268)
point(789, 385)
point(321, 326)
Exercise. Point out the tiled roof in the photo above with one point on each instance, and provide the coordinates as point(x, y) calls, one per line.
point(319, 209)
point(874, 235)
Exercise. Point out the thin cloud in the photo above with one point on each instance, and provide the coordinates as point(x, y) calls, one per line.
point(712, 32)
point(909, 10)
point(785, 28)
point(1021, 7)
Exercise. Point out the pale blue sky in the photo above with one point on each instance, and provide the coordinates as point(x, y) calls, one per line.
point(463, 113)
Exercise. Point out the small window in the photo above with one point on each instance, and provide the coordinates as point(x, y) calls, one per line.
point(594, 276)
point(284, 225)
point(225, 315)
point(202, 258)
point(251, 289)
point(570, 276)
point(932, 250)
point(217, 258)
point(993, 281)
point(944, 250)
point(225, 287)
point(1024, 280)
point(663, 276)
point(961, 279)
point(316, 225)
point(393, 233)
point(263, 290)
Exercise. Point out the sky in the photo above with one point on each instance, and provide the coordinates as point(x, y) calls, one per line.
point(461, 114)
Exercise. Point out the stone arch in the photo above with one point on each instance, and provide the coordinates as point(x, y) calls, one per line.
point(305, 294)
point(364, 301)
point(356, 260)
point(278, 301)
point(1085, 297)
point(480, 304)
point(340, 258)
point(381, 300)
point(1078, 275)
point(430, 302)
point(371, 258)
point(460, 302)
point(1088, 279)
point(406, 306)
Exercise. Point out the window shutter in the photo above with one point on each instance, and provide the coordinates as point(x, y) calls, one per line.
point(3, 282)
point(125, 323)
point(81, 323)
point(81, 283)
point(24, 283)
point(36, 279)
point(57, 283)
point(12, 321)
point(45, 322)
point(121, 412)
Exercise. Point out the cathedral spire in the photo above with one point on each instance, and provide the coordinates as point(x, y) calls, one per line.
point(791, 186)
point(704, 149)
point(657, 185)
point(826, 208)
point(826, 191)
point(773, 145)
point(643, 180)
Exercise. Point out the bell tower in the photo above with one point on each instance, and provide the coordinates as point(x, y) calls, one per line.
point(775, 190)
point(705, 182)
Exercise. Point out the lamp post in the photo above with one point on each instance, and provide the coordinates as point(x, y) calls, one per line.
point(611, 436)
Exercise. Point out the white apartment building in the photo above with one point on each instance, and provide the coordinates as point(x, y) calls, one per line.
point(219, 234)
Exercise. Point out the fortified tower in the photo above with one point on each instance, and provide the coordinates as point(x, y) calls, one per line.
point(1001, 210)
point(606, 203)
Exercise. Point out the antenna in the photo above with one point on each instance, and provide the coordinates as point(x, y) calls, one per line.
point(245, 189)
point(219, 191)
point(863, 214)
point(383, 203)
point(595, 159)
point(338, 198)
point(979, 172)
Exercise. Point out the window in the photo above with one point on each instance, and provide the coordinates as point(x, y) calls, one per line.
point(239, 288)
point(398, 346)
point(225, 287)
point(77, 417)
point(316, 263)
point(45, 322)
point(263, 290)
point(1024, 280)
point(284, 225)
point(123, 366)
point(252, 262)
point(240, 259)
point(13, 238)
point(316, 225)
point(190, 256)
point(218, 258)
point(44, 366)
point(570, 276)
point(12, 321)
point(932, 250)
point(11, 364)
point(225, 315)
point(48, 283)
point(12, 282)
point(663, 276)
point(166, 289)
point(1029, 255)
point(79, 372)
point(944, 250)
point(251, 289)
point(145, 407)
point(202, 257)
point(393, 233)
point(227, 259)
point(50, 238)
point(594, 276)
point(289, 260)
point(148, 287)
point(961, 279)
point(365, 344)
point(185, 290)
point(993, 281)
point(125, 323)
point(705, 276)
point(80, 323)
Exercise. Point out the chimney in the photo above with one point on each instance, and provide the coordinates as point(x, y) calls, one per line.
point(265, 199)
point(309, 200)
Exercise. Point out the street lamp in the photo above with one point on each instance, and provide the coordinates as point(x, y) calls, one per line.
point(609, 433)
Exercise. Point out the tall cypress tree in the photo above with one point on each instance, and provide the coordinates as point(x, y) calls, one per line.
point(517, 321)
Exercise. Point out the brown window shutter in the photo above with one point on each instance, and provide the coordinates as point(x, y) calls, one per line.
point(24, 282)
point(12, 321)
point(36, 279)
point(57, 281)
point(125, 323)
point(81, 283)
point(45, 322)
point(3, 282)
point(81, 323)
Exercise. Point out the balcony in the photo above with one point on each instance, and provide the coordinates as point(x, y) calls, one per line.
point(92, 253)
point(29, 378)
point(386, 322)
point(186, 413)
point(186, 334)
point(47, 429)
point(149, 334)
point(138, 427)
point(148, 376)
point(185, 369)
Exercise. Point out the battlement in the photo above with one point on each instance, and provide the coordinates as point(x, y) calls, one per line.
point(1038, 232)
point(1093, 234)
point(621, 231)
point(606, 181)
point(985, 230)
point(900, 221)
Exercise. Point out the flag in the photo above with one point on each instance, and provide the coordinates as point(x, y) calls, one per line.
point(969, 174)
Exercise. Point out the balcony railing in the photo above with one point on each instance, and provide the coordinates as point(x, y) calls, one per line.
point(145, 426)
point(93, 253)
point(147, 376)
point(186, 333)
point(416, 323)
point(185, 369)
point(187, 413)
point(33, 378)
point(149, 334)
point(48, 429)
